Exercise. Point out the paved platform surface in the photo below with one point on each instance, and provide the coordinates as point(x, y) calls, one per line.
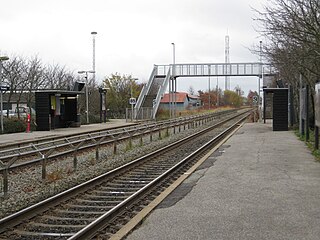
point(260, 185)
point(19, 137)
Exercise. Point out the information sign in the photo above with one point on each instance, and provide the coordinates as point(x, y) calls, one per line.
point(132, 101)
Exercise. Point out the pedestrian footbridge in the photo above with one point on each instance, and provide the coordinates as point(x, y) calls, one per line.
point(150, 96)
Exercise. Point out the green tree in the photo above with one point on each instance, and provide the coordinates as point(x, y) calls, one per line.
point(232, 98)
point(121, 88)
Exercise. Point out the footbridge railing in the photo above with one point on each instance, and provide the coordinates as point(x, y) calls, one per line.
point(153, 91)
point(217, 69)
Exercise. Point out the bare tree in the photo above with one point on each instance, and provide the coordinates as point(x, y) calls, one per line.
point(57, 77)
point(13, 76)
point(292, 40)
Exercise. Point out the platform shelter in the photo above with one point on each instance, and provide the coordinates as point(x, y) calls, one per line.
point(277, 98)
point(57, 109)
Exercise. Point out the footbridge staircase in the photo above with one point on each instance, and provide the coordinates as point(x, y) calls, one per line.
point(151, 94)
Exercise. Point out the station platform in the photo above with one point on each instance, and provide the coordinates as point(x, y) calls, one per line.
point(259, 184)
point(23, 136)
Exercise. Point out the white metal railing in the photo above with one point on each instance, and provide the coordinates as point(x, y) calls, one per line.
point(217, 69)
point(145, 91)
point(162, 69)
point(160, 93)
point(197, 70)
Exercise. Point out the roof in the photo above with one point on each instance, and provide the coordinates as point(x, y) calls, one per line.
point(274, 89)
point(57, 91)
point(180, 97)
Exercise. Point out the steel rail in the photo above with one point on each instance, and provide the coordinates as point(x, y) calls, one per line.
point(52, 140)
point(97, 225)
point(86, 138)
point(44, 205)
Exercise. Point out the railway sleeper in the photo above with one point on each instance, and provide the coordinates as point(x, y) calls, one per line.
point(63, 220)
point(83, 202)
point(126, 180)
point(113, 186)
point(55, 228)
point(124, 189)
point(77, 214)
point(21, 234)
point(104, 198)
point(95, 202)
point(113, 193)
point(74, 207)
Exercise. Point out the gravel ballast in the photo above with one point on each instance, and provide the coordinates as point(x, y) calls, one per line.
point(26, 187)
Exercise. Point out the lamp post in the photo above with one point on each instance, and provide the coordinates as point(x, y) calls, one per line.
point(87, 94)
point(209, 100)
point(173, 84)
point(3, 88)
point(94, 55)
point(217, 91)
point(260, 76)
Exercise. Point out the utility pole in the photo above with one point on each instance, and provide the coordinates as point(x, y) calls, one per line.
point(2, 88)
point(87, 92)
point(209, 97)
point(173, 83)
point(94, 56)
point(260, 77)
point(227, 62)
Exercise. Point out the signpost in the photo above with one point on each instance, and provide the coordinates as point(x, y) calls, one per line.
point(132, 102)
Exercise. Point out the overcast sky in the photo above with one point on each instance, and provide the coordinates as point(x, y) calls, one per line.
point(133, 35)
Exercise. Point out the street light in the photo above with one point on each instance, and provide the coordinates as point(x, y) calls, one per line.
point(94, 55)
point(260, 76)
point(209, 86)
point(87, 95)
point(3, 88)
point(173, 84)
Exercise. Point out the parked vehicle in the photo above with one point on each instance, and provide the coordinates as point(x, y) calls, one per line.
point(23, 111)
point(11, 113)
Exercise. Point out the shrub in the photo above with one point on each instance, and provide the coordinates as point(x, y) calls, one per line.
point(12, 125)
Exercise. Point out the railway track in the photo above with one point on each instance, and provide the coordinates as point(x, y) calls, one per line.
point(101, 206)
point(19, 155)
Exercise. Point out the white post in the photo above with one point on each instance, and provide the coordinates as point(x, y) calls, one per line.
point(131, 103)
point(209, 102)
point(87, 93)
point(174, 85)
point(87, 98)
point(260, 76)
point(4, 58)
point(94, 55)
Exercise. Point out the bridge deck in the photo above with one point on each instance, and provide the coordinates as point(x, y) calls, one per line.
point(217, 69)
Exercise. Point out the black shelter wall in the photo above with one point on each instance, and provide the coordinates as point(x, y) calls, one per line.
point(280, 110)
point(42, 103)
point(70, 106)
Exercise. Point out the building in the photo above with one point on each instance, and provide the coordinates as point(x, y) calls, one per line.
point(184, 101)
